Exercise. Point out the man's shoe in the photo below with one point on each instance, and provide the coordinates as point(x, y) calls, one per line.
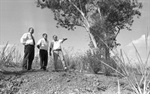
point(41, 68)
point(65, 68)
point(30, 70)
point(24, 69)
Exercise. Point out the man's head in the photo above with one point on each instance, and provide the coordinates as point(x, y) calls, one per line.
point(55, 38)
point(44, 35)
point(31, 30)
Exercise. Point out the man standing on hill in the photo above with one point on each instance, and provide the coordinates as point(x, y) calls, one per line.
point(55, 48)
point(28, 41)
point(43, 52)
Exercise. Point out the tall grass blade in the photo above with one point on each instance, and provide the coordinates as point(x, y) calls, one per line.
point(147, 59)
point(119, 90)
point(137, 84)
point(132, 85)
point(138, 54)
point(112, 68)
point(140, 60)
point(144, 88)
point(146, 41)
point(129, 61)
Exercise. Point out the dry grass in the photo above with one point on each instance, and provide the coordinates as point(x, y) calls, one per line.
point(10, 56)
point(137, 76)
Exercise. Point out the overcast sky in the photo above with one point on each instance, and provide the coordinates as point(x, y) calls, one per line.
point(16, 16)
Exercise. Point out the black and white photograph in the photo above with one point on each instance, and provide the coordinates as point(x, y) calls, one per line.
point(74, 47)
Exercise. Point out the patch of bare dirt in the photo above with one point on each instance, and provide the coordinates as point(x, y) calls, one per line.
point(70, 82)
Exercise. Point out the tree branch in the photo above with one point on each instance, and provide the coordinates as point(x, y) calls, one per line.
point(86, 25)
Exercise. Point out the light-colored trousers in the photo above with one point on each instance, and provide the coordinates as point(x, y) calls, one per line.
point(56, 55)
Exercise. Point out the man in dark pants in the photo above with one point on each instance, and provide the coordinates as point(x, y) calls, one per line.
point(28, 41)
point(43, 52)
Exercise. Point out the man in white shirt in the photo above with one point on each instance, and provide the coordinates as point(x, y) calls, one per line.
point(28, 41)
point(42, 45)
point(55, 48)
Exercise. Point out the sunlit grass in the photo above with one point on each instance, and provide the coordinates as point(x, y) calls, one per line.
point(10, 56)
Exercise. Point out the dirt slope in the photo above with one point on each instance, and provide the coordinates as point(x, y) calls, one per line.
point(71, 82)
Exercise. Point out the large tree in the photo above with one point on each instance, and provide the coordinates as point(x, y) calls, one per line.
point(102, 19)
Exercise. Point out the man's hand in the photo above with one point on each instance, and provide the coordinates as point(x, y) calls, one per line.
point(50, 53)
point(24, 43)
point(38, 46)
point(64, 39)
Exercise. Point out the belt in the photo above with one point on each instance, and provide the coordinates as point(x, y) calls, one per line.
point(29, 45)
point(57, 50)
point(43, 49)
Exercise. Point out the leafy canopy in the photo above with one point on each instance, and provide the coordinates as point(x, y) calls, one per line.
point(102, 18)
point(115, 12)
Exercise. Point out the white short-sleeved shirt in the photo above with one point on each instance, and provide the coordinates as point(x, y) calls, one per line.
point(57, 44)
point(27, 39)
point(43, 44)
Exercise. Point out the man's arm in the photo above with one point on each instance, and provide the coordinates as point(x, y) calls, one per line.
point(64, 39)
point(51, 47)
point(23, 39)
point(38, 44)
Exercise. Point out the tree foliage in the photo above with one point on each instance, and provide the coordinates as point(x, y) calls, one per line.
point(102, 19)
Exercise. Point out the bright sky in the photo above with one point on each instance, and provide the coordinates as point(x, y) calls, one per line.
point(16, 16)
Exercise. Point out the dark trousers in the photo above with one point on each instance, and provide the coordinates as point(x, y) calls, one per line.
point(28, 57)
point(43, 58)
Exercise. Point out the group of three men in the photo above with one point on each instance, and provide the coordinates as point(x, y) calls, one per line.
point(43, 45)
